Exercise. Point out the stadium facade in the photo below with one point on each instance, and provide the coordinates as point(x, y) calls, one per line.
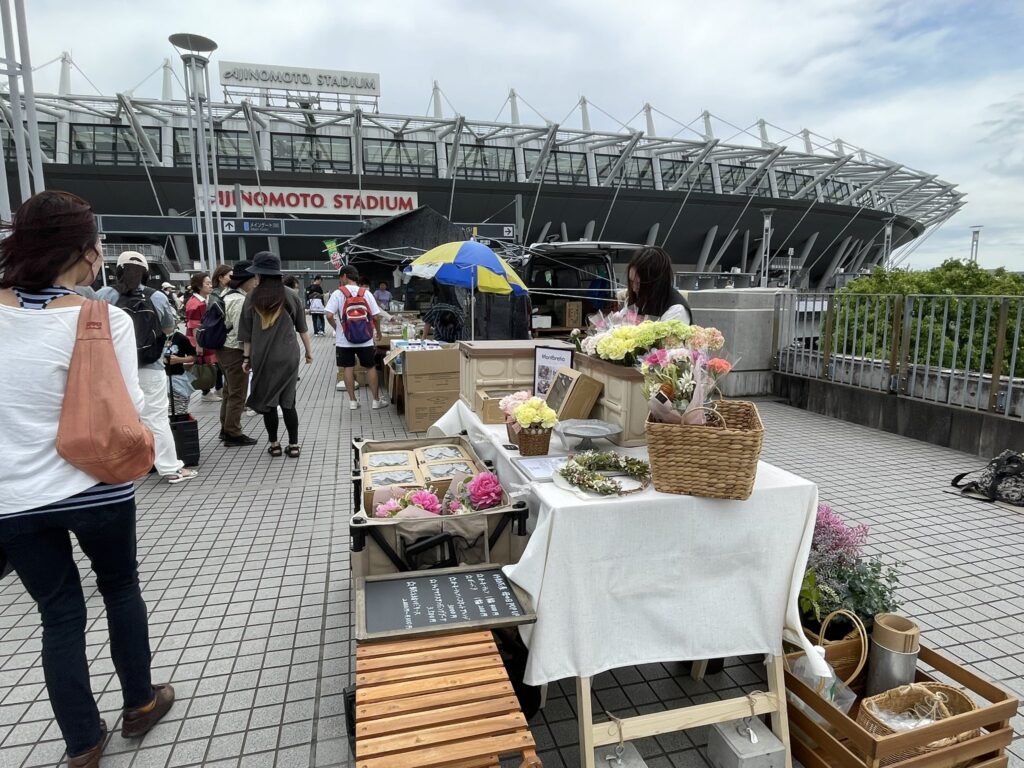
point(322, 161)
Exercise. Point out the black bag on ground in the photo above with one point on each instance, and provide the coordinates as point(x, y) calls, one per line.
point(1002, 479)
point(513, 652)
point(149, 335)
point(185, 431)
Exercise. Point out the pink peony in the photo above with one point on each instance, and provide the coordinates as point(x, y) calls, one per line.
point(484, 491)
point(717, 366)
point(454, 508)
point(426, 501)
point(658, 357)
point(388, 508)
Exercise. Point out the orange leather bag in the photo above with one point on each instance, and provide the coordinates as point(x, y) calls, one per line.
point(99, 431)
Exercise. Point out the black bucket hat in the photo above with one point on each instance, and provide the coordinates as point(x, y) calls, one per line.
point(265, 263)
point(240, 270)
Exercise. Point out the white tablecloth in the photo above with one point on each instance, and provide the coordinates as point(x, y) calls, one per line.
point(654, 577)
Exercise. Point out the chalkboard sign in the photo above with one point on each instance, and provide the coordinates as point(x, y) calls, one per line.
point(446, 600)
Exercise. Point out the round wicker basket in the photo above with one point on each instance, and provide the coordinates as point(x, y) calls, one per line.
point(513, 436)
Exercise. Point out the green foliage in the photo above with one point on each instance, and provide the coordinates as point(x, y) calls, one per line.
point(954, 315)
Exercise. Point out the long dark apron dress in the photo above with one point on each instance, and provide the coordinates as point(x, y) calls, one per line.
point(274, 353)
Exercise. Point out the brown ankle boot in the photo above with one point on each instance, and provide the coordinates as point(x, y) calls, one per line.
point(139, 721)
point(90, 758)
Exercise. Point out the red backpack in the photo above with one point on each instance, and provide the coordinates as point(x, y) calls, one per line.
point(356, 318)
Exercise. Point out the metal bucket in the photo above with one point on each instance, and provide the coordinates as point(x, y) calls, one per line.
point(889, 669)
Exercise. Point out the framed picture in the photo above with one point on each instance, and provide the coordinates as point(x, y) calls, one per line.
point(546, 363)
point(572, 394)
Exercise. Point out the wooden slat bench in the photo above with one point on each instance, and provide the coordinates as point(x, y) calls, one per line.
point(439, 702)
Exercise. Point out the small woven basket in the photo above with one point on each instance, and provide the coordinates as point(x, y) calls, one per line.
point(942, 700)
point(848, 656)
point(717, 460)
point(513, 436)
point(534, 442)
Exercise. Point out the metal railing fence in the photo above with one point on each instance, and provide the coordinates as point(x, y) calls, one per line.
point(962, 351)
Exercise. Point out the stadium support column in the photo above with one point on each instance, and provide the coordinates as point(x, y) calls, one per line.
point(38, 181)
point(766, 244)
point(709, 240)
point(834, 264)
point(14, 94)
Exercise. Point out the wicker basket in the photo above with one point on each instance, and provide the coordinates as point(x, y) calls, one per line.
point(944, 700)
point(848, 656)
point(513, 436)
point(718, 461)
point(534, 442)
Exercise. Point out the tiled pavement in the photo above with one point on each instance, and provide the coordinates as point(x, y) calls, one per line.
point(245, 571)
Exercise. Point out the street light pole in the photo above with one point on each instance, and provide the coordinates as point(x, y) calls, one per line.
point(766, 242)
point(191, 49)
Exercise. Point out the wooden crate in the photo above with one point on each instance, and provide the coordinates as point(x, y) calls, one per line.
point(440, 702)
point(848, 745)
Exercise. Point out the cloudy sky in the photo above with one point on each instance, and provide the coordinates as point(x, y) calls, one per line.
point(936, 85)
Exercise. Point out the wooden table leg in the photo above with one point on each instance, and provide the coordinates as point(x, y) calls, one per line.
point(780, 718)
point(698, 669)
point(543, 695)
point(585, 717)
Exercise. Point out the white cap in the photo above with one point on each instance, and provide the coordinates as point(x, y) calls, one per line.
point(133, 257)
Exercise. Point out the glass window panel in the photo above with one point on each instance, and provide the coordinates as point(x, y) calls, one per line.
point(637, 172)
point(399, 157)
point(47, 141)
point(672, 170)
point(110, 144)
point(562, 167)
point(485, 163)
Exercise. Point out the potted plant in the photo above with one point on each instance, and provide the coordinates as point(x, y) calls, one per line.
point(508, 405)
point(535, 419)
point(840, 575)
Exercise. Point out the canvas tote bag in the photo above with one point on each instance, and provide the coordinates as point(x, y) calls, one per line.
point(99, 430)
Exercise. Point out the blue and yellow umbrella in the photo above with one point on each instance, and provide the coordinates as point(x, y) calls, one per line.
point(468, 264)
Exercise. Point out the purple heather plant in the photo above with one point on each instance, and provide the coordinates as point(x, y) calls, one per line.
point(836, 545)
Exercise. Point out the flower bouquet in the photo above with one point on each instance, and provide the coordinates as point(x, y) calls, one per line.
point(623, 340)
point(508, 405)
point(535, 419)
point(679, 381)
point(466, 494)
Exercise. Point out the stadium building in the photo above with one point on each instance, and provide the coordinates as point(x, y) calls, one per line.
point(303, 156)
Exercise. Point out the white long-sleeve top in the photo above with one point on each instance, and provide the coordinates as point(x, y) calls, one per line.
point(35, 347)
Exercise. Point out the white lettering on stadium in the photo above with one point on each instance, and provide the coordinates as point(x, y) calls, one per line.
point(311, 201)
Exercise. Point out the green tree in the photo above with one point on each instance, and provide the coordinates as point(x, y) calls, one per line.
point(954, 315)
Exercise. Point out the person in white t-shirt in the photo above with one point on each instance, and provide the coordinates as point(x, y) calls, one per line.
point(355, 335)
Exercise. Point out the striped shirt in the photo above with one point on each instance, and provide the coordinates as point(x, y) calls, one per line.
point(101, 494)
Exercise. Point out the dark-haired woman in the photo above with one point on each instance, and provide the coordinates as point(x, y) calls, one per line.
point(651, 290)
point(271, 316)
point(195, 309)
point(53, 247)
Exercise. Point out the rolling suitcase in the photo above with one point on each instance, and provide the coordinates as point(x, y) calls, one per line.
point(185, 430)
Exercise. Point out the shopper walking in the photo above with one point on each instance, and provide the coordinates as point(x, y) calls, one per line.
point(52, 249)
point(271, 316)
point(316, 311)
point(650, 290)
point(154, 321)
point(195, 309)
point(354, 315)
point(236, 380)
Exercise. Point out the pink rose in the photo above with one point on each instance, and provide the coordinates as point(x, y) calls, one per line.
point(454, 508)
point(484, 491)
point(658, 357)
point(427, 501)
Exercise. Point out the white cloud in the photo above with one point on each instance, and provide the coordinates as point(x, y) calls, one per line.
point(932, 85)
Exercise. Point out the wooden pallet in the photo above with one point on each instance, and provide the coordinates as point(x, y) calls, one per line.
point(440, 702)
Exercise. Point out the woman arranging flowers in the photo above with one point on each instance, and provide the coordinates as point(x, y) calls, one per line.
point(535, 419)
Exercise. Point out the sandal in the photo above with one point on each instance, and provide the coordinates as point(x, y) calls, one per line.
point(180, 476)
point(293, 451)
point(274, 450)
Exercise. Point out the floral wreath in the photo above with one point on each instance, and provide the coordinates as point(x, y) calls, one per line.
point(583, 471)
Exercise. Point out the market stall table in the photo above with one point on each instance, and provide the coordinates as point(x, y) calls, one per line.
point(652, 577)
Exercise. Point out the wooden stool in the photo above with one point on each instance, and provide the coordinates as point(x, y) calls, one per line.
point(439, 702)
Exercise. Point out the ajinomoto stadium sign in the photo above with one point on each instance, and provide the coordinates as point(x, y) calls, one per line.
point(234, 73)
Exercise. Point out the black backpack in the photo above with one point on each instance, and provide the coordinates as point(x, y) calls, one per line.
point(213, 332)
point(1002, 479)
point(149, 335)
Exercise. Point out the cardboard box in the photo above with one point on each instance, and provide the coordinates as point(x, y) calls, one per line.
point(431, 371)
point(423, 409)
point(387, 459)
point(542, 321)
point(485, 405)
point(439, 474)
point(442, 452)
point(381, 478)
point(567, 314)
point(573, 394)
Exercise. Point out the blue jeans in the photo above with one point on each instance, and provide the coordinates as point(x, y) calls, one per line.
point(39, 548)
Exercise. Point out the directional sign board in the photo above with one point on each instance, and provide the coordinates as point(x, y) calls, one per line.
point(441, 601)
point(492, 231)
point(251, 226)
